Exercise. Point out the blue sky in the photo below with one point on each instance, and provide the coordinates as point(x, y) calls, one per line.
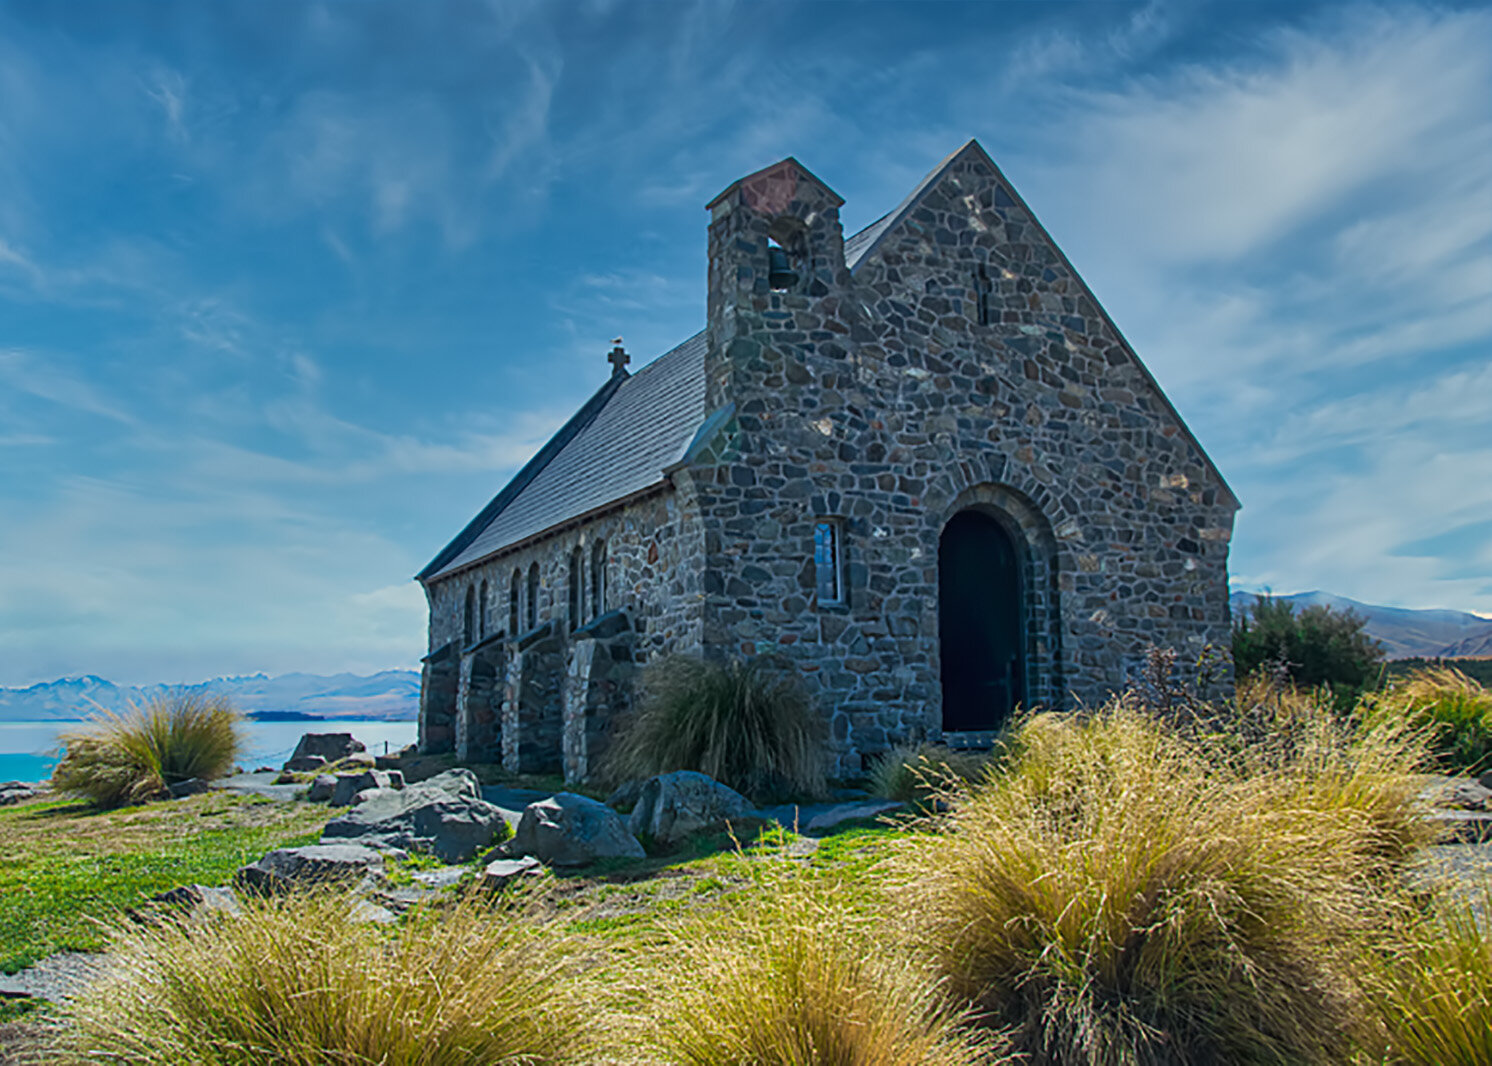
point(287, 290)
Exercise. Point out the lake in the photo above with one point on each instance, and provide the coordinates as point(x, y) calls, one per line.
point(24, 745)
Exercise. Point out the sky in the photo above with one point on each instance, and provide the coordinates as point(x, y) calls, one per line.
point(288, 290)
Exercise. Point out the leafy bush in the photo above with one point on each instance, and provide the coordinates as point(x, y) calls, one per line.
point(1315, 647)
point(294, 981)
point(916, 773)
point(748, 724)
point(1120, 893)
point(1452, 707)
point(135, 756)
point(788, 976)
point(1436, 1007)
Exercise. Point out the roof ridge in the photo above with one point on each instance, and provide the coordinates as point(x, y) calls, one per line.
point(895, 215)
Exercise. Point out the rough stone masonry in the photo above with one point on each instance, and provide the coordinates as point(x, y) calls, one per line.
point(922, 463)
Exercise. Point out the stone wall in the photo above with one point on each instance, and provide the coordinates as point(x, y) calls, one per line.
point(654, 562)
point(897, 396)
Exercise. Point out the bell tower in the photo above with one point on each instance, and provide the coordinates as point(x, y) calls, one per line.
point(776, 249)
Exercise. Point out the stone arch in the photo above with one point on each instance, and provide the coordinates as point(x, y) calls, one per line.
point(1029, 529)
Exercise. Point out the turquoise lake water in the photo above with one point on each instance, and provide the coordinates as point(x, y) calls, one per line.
point(25, 746)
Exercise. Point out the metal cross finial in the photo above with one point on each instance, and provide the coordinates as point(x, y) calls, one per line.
point(618, 358)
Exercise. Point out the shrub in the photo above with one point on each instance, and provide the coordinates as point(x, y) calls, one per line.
point(748, 724)
point(788, 976)
point(1452, 707)
point(916, 773)
point(293, 981)
point(1120, 894)
point(1317, 646)
point(131, 757)
point(1436, 1006)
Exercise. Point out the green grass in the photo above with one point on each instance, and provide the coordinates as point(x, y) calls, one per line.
point(1453, 707)
point(68, 866)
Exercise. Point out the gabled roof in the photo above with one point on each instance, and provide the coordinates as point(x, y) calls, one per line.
point(621, 442)
point(616, 446)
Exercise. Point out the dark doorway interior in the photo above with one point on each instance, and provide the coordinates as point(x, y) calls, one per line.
point(979, 624)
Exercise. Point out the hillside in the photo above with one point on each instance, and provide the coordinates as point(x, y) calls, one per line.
point(1404, 632)
point(391, 695)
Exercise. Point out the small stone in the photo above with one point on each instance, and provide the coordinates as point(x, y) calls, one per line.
point(322, 788)
point(308, 865)
point(502, 872)
point(849, 812)
point(194, 786)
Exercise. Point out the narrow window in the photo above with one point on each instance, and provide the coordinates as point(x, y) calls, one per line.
point(983, 289)
point(469, 630)
point(533, 595)
point(577, 597)
point(482, 613)
point(513, 604)
point(598, 579)
point(828, 560)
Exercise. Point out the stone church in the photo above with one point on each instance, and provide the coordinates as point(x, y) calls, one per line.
point(921, 462)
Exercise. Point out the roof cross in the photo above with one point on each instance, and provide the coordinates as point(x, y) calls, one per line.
point(618, 358)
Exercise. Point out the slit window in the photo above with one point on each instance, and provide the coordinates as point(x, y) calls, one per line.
point(533, 595)
point(828, 561)
point(513, 590)
point(598, 579)
point(482, 613)
point(577, 594)
point(983, 290)
point(469, 630)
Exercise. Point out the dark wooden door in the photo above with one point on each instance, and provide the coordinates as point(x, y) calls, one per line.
point(979, 623)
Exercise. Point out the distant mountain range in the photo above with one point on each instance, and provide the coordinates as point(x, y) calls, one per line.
point(390, 695)
point(1405, 633)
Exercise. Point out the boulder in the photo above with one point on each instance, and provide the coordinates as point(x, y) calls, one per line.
point(17, 792)
point(304, 764)
point(328, 746)
point(322, 788)
point(673, 807)
point(624, 796)
point(1464, 827)
point(199, 900)
point(571, 830)
point(285, 868)
point(192, 786)
point(458, 782)
point(349, 785)
point(452, 826)
point(850, 812)
point(501, 873)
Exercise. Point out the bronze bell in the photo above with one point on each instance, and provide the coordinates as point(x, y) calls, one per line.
point(780, 272)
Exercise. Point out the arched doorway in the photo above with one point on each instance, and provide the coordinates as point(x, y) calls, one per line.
point(980, 633)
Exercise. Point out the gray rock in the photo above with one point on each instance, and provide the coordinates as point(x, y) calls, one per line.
point(850, 812)
point(16, 792)
point(673, 807)
point(312, 864)
point(366, 911)
point(200, 900)
point(453, 827)
point(194, 786)
point(571, 830)
point(1485, 780)
point(440, 877)
point(458, 782)
point(1459, 793)
point(328, 746)
point(349, 785)
point(322, 788)
point(504, 871)
point(624, 796)
point(1465, 827)
point(304, 764)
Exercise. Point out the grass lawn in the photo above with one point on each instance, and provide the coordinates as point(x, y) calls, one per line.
point(68, 866)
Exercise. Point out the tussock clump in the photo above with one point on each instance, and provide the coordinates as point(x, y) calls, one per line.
point(1436, 1005)
point(787, 976)
point(1120, 893)
point(294, 982)
point(917, 773)
point(748, 724)
point(115, 759)
point(1452, 707)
